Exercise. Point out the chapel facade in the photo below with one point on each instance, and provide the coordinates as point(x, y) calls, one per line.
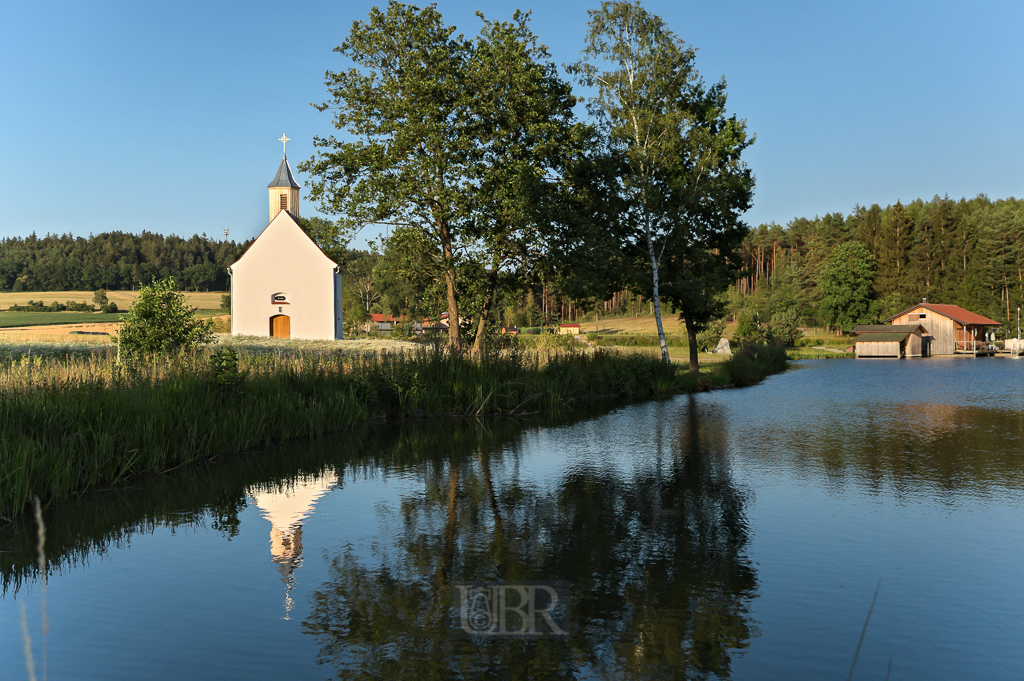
point(284, 286)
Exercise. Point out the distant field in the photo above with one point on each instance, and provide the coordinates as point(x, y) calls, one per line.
point(9, 319)
point(643, 326)
point(207, 300)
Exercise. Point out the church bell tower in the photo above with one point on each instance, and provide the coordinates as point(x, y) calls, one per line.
point(283, 190)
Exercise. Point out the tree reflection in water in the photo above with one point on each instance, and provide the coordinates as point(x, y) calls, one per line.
point(656, 561)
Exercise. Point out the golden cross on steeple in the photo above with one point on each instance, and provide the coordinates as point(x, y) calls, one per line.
point(284, 141)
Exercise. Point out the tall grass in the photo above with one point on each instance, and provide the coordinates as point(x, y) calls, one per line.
point(70, 423)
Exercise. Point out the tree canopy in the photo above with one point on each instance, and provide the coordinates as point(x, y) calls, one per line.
point(115, 261)
point(454, 139)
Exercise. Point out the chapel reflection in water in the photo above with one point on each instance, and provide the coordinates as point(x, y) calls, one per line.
point(287, 504)
point(655, 558)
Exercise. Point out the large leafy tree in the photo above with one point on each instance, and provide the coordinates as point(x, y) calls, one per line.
point(661, 120)
point(708, 189)
point(698, 270)
point(528, 135)
point(452, 139)
point(411, 133)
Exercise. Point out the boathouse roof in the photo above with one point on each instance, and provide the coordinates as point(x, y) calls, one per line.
point(883, 337)
point(954, 312)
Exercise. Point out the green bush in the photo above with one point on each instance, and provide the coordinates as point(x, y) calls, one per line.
point(31, 306)
point(224, 370)
point(707, 340)
point(160, 322)
point(754, 362)
point(785, 326)
point(40, 306)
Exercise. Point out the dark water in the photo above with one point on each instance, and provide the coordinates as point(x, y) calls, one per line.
point(739, 534)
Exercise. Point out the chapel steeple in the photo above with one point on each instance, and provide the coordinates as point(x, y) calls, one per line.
point(283, 189)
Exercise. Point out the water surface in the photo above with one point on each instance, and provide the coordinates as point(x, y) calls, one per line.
point(737, 534)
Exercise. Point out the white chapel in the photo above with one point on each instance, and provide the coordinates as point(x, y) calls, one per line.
point(283, 285)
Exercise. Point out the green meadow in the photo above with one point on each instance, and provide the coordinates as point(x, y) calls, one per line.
point(13, 319)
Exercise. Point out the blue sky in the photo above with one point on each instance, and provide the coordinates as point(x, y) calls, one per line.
point(165, 116)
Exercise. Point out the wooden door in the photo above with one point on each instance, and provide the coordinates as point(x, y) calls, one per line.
point(280, 326)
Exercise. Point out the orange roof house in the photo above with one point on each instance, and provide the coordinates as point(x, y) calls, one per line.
point(950, 328)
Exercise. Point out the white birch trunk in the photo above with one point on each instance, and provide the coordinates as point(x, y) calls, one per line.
point(657, 298)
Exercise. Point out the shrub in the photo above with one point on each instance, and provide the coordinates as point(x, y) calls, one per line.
point(110, 307)
point(785, 326)
point(159, 322)
point(224, 370)
point(39, 306)
point(225, 302)
point(707, 340)
point(754, 362)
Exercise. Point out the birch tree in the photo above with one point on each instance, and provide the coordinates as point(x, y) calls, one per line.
point(652, 105)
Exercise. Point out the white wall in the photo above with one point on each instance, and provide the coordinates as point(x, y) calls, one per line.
point(284, 260)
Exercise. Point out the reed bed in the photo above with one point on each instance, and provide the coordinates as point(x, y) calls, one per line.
point(70, 422)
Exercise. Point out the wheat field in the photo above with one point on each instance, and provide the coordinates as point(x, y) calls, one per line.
point(203, 300)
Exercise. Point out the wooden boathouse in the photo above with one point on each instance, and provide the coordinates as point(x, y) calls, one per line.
point(949, 329)
point(889, 340)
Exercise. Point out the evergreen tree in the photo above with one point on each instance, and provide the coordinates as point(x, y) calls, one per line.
point(891, 252)
point(845, 281)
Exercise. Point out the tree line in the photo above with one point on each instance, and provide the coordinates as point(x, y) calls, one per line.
point(115, 261)
point(841, 270)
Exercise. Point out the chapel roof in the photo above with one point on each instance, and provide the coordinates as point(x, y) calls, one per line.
point(284, 177)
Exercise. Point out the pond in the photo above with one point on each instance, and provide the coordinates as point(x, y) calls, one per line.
point(735, 534)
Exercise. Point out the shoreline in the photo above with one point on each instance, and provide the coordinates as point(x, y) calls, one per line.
point(77, 423)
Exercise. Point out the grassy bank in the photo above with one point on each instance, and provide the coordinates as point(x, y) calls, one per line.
point(74, 422)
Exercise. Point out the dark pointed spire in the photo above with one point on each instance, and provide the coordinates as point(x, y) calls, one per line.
point(284, 177)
